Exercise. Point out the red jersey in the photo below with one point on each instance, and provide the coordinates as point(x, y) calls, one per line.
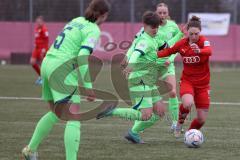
point(41, 37)
point(195, 65)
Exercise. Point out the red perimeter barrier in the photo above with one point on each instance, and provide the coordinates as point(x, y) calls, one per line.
point(17, 37)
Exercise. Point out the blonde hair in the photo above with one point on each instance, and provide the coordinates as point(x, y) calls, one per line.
point(164, 5)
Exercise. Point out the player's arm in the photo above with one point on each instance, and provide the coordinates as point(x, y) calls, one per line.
point(45, 33)
point(130, 50)
point(139, 50)
point(176, 37)
point(84, 68)
point(45, 36)
point(172, 58)
point(85, 50)
point(206, 50)
point(132, 60)
point(169, 51)
point(135, 55)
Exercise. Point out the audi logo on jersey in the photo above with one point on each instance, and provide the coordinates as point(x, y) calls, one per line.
point(193, 59)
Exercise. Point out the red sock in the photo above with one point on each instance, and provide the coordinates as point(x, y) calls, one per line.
point(183, 112)
point(36, 68)
point(196, 124)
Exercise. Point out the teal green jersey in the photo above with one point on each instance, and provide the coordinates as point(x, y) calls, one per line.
point(78, 33)
point(170, 33)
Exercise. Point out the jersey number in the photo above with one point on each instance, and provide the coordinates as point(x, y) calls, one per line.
point(61, 37)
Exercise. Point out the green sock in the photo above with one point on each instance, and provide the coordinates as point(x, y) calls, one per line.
point(142, 125)
point(72, 139)
point(131, 114)
point(42, 129)
point(127, 113)
point(173, 109)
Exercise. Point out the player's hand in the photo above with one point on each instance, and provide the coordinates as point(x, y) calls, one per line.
point(124, 63)
point(90, 95)
point(127, 71)
point(167, 63)
point(159, 110)
point(43, 50)
point(146, 113)
point(183, 29)
point(195, 48)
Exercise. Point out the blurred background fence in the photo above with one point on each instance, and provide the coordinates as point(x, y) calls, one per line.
point(17, 23)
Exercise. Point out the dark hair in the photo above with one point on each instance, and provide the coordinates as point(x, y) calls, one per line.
point(151, 18)
point(194, 22)
point(95, 9)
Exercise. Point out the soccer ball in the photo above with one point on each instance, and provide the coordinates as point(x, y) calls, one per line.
point(193, 138)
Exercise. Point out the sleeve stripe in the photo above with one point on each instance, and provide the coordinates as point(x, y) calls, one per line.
point(88, 48)
point(165, 45)
point(142, 53)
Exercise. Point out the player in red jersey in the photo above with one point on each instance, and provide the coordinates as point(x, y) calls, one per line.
point(194, 86)
point(40, 46)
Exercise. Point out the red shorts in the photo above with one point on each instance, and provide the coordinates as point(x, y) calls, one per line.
point(39, 53)
point(201, 94)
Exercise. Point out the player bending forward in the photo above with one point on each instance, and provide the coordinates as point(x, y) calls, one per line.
point(194, 86)
point(142, 73)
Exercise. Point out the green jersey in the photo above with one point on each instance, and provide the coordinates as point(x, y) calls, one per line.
point(168, 32)
point(78, 33)
point(145, 55)
point(78, 38)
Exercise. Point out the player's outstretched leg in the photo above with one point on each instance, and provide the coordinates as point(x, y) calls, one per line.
point(183, 112)
point(133, 134)
point(28, 154)
point(42, 129)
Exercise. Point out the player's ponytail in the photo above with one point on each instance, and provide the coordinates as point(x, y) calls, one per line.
point(194, 22)
point(95, 9)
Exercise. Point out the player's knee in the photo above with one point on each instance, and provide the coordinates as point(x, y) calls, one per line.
point(172, 94)
point(159, 108)
point(187, 103)
point(161, 112)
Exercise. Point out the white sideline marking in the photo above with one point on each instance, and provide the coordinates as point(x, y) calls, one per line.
point(99, 100)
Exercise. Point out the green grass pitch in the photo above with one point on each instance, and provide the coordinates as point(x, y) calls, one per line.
point(103, 139)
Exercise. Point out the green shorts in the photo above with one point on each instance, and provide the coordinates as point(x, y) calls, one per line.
point(59, 81)
point(170, 71)
point(143, 96)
